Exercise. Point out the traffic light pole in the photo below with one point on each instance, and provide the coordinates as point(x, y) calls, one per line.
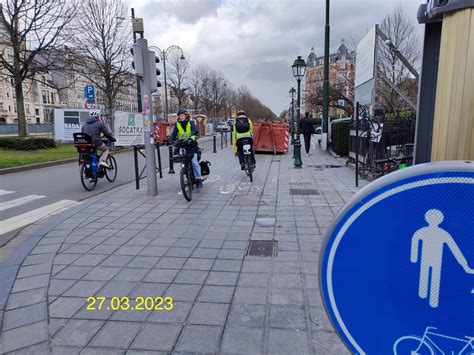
point(145, 89)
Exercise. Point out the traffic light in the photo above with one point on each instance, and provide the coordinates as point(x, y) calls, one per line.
point(153, 60)
point(137, 63)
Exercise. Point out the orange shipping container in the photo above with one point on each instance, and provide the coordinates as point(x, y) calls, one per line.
point(271, 137)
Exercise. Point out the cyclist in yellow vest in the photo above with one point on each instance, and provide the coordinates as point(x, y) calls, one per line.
point(243, 131)
point(185, 129)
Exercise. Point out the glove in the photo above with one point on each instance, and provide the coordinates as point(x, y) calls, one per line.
point(112, 140)
point(193, 138)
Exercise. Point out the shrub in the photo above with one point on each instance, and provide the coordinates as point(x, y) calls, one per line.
point(340, 143)
point(31, 143)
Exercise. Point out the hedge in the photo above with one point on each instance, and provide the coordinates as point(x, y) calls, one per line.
point(340, 143)
point(18, 143)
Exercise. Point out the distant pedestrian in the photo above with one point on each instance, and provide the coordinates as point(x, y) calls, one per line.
point(306, 127)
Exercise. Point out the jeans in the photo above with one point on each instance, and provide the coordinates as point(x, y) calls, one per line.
point(196, 167)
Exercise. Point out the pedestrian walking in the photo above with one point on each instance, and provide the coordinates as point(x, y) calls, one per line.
point(306, 128)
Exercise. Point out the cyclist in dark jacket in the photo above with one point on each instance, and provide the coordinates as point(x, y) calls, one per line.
point(94, 127)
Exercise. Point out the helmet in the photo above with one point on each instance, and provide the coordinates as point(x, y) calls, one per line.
point(241, 113)
point(94, 113)
point(181, 111)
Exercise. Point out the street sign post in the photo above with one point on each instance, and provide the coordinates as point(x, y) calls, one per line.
point(397, 265)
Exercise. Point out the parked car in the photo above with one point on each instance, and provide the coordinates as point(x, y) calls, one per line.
point(222, 127)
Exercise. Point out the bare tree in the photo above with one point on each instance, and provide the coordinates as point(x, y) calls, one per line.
point(34, 28)
point(178, 73)
point(194, 89)
point(400, 30)
point(104, 46)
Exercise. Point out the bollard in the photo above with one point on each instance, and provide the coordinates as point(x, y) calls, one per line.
point(222, 141)
point(215, 144)
point(160, 168)
point(170, 150)
point(135, 159)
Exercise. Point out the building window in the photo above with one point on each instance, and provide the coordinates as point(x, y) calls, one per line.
point(27, 108)
point(37, 111)
point(52, 98)
point(45, 96)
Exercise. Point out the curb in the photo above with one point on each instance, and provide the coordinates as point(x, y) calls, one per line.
point(18, 169)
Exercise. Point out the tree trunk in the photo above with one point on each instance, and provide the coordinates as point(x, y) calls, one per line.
point(20, 108)
point(110, 112)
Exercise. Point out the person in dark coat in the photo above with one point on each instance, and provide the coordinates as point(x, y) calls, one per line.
point(307, 129)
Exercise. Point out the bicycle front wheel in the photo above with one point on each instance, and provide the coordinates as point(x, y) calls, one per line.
point(186, 183)
point(88, 179)
point(412, 345)
point(111, 171)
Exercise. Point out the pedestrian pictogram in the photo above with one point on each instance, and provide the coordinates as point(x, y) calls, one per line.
point(397, 267)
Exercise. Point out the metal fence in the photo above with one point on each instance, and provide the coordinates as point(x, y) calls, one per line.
point(38, 129)
point(381, 140)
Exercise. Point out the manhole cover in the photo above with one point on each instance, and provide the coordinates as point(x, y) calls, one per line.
point(262, 248)
point(246, 200)
point(304, 192)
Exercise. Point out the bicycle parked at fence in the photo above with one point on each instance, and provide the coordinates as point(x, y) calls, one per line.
point(415, 345)
point(89, 168)
point(249, 167)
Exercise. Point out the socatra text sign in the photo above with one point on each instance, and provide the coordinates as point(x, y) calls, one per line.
point(128, 128)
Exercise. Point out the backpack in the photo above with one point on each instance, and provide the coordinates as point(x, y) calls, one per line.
point(205, 168)
point(242, 125)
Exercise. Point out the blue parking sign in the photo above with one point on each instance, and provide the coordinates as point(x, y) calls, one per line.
point(89, 94)
point(397, 266)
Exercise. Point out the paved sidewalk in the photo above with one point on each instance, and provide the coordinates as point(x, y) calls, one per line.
point(123, 243)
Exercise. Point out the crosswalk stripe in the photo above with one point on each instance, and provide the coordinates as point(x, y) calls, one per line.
point(19, 201)
point(32, 216)
point(5, 192)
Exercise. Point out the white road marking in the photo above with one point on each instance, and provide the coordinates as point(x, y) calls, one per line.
point(5, 192)
point(19, 201)
point(32, 216)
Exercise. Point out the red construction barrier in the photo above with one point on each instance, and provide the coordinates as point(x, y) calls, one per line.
point(162, 131)
point(271, 137)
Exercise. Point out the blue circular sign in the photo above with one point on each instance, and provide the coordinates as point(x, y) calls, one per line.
point(397, 267)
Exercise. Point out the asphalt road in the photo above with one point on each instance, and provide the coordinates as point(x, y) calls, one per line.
point(28, 196)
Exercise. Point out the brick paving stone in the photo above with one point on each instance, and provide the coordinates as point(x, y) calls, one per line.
point(73, 272)
point(219, 294)
point(117, 289)
point(55, 324)
point(287, 317)
point(247, 315)
point(199, 338)
point(227, 265)
point(208, 314)
point(286, 281)
point(58, 287)
point(288, 342)
point(24, 316)
point(222, 278)
point(77, 332)
point(117, 260)
point(26, 298)
point(149, 290)
point(211, 243)
point(84, 288)
point(232, 254)
point(41, 348)
point(143, 261)
point(116, 335)
point(131, 315)
point(170, 263)
point(30, 283)
point(102, 273)
point(250, 295)
point(254, 279)
point(24, 336)
point(198, 264)
point(90, 260)
point(34, 270)
point(178, 314)
point(191, 277)
point(184, 242)
point(65, 259)
point(242, 340)
point(131, 274)
point(161, 275)
point(183, 292)
point(256, 266)
point(129, 250)
point(328, 343)
point(103, 249)
point(205, 253)
point(147, 339)
point(66, 307)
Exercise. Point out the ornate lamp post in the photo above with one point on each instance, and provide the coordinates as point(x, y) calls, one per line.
point(292, 93)
point(164, 54)
point(299, 71)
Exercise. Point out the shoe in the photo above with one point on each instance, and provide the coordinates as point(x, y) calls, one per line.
point(242, 166)
point(104, 164)
point(199, 184)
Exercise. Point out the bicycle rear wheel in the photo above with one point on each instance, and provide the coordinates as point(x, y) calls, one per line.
point(186, 183)
point(111, 171)
point(88, 181)
point(248, 168)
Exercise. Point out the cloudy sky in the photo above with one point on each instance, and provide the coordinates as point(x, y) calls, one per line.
point(254, 42)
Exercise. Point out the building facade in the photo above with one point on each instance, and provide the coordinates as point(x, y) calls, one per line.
point(341, 78)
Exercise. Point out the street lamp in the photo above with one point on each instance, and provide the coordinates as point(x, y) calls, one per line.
point(299, 70)
point(324, 134)
point(164, 54)
point(292, 93)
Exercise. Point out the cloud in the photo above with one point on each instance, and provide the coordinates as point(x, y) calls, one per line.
point(254, 42)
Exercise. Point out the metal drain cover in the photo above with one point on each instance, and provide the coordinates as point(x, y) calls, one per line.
point(262, 248)
point(321, 167)
point(304, 192)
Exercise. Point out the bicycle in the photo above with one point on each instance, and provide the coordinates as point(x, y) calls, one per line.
point(415, 345)
point(89, 168)
point(249, 167)
point(186, 174)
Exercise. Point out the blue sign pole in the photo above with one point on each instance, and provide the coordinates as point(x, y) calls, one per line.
point(397, 267)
